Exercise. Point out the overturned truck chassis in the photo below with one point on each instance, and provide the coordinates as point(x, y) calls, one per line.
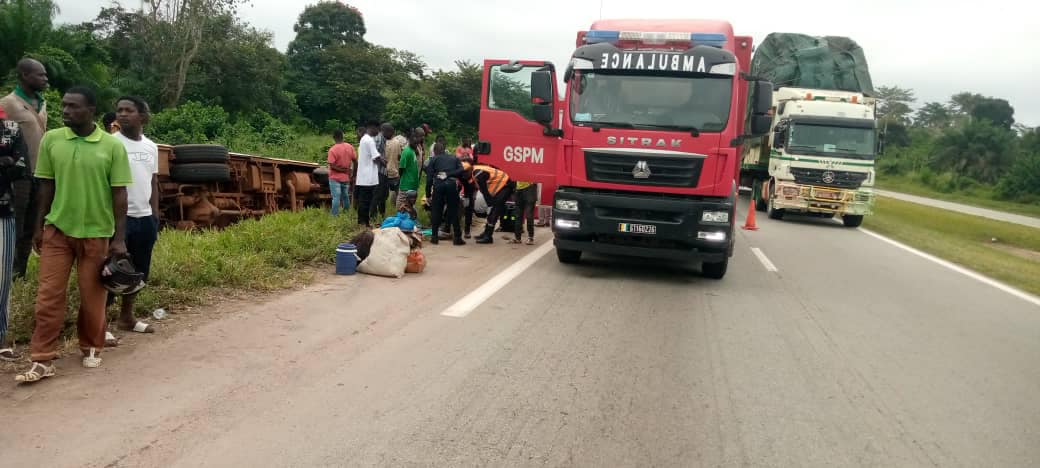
point(227, 187)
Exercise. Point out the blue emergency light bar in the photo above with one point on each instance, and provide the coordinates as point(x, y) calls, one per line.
point(613, 37)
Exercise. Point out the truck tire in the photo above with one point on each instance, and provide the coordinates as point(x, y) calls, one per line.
point(200, 173)
point(569, 257)
point(775, 213)
point(199, 154)
point(852, 221)
point(715, 270)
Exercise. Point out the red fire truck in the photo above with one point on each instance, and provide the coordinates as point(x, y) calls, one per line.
point(640, 155)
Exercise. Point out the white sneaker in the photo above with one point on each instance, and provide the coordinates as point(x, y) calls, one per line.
point(90, 361)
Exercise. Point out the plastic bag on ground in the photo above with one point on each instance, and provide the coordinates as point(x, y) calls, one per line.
point(389, 254)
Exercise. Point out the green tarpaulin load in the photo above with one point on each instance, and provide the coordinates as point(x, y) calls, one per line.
point(802, 61)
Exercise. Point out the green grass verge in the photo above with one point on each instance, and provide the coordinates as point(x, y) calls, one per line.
point(983, 200)
point(964, 239)
point(194, 268)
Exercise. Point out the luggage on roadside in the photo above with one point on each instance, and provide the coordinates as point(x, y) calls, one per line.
point(389, 254)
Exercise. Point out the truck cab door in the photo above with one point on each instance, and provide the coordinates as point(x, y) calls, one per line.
point(519, 128)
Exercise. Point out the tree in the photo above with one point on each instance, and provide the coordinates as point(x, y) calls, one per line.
point(997, 111)
point(973, 106)
point(176, 32)
point(978, 149)
point(327, 24)
point(894, 104)
point(933, 115)
point(413, 109)
point(239, 70)
point(460, 91)
point(335, 74)
point(24, 27)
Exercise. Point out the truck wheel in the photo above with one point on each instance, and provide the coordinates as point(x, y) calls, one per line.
point(775, 213)
point(715, 270)
point(852, 221)
point(197, 154)
point(569, 257)
point(200, 173)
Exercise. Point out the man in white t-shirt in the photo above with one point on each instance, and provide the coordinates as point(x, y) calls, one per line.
point(142, 214)
point(367, 173)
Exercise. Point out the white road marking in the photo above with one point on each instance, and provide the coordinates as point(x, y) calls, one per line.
point(474, 299)
point(765, 260)
point(959, 269)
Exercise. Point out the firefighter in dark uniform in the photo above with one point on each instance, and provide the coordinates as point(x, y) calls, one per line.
point(442, 185)
point(496, 187)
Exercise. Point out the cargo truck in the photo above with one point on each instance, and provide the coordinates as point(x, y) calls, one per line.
point(640, 154)
point(819, 158)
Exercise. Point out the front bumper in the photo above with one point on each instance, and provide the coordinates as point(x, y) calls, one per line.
point(612, 223)
point(813, 199)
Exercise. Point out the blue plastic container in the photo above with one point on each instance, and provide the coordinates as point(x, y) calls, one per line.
point(346, 259)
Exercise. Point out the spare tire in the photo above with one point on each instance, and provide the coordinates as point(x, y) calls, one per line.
point(200, 173)
point(195, 154)
point(321, 175)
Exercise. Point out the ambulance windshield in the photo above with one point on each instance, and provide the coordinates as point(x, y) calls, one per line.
point(628, 100)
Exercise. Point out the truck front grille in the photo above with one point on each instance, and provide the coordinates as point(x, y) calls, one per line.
point(654, 170)
point(827, 178)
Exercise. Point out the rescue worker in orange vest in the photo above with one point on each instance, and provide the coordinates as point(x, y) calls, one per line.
point(496, 187)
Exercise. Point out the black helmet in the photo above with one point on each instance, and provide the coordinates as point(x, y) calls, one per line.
point(124, 278)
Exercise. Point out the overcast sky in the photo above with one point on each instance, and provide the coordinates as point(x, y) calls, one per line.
point(937, 48)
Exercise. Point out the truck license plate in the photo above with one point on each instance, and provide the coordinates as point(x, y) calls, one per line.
point(637, 228)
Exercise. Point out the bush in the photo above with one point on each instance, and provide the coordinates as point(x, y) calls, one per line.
point(188, 123)
point(1022, 181)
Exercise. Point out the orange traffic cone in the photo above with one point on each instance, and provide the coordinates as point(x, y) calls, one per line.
point(750, 225)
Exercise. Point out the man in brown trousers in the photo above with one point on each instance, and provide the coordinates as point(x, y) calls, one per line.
point(26, 106)
point(84, 173)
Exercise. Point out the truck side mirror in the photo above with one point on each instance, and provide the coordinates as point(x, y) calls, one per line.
point(760, 124)
point(881, 143)
point(542, 87)
point(763, 98)
point(543, 113)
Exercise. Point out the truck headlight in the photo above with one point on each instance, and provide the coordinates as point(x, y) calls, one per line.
point(715, 217)
point(567, 205)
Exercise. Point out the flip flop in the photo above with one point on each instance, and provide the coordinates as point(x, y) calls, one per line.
point(139, 327)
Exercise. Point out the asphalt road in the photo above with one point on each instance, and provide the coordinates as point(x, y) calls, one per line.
point(851, 353)
point(966, 209)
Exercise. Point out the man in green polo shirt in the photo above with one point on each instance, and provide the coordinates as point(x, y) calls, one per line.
point(83, 174)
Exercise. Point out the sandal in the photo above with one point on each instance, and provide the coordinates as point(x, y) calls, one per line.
point(34, 375)
point(110, 340)
point(8, 354)
point(90, 361)
point(513, 240)
point(530, 241)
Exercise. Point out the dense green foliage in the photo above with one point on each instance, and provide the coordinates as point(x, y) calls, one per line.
point(211, 77)
point(968, 146)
